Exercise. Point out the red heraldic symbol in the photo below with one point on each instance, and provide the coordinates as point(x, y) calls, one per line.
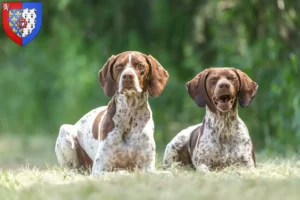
point(22, 21)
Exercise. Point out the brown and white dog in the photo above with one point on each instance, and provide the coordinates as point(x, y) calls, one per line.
point(222, 139)
point(120, 135)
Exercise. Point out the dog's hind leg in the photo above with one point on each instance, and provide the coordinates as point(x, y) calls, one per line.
point(65, 147)
point(178, 150)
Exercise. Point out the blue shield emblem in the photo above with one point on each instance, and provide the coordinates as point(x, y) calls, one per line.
point(22, 21)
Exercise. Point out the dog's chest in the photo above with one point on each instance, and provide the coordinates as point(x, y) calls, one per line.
point(221, 145)
point(131, 141)
point(136, 130)
point(131, 149)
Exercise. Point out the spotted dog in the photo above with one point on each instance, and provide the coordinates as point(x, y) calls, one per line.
point(120, 135)
point(222, 139)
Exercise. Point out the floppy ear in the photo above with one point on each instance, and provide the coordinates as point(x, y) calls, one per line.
point(247, 90)
point(197, 89)
point(105, 77)
point(158, 77)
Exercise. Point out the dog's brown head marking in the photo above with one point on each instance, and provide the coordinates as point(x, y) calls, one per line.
point(221, 88)
point(132, 72)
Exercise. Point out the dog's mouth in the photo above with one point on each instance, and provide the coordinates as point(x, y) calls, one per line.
point(129, 90)
point(128, 87)
point(224, 102)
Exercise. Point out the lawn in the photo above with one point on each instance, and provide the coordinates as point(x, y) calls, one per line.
point(28, 170)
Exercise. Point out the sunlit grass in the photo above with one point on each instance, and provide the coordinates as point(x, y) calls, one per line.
point(274, 178)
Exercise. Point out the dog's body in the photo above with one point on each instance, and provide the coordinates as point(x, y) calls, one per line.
point(120, 135)
point(222, 139)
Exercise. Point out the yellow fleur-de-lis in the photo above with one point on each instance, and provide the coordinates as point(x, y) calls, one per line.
point(10, 24)
point(10, 13)
point(14, 19)
point(14, 30)
point(18, 13)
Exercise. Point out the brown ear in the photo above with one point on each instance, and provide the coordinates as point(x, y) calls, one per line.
point(197, 89)
point(247, 90)
point(105, 77)
point(158, 77)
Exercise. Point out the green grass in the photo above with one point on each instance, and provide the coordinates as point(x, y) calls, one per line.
point(29, 171)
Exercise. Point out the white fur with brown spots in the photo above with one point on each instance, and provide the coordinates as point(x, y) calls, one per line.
point(222, 139)
point(120, 135)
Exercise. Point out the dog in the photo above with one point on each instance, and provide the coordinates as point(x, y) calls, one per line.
point(118, 136)
point(222, 139)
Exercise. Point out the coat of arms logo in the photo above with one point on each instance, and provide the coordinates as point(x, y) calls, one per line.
point(22, 21)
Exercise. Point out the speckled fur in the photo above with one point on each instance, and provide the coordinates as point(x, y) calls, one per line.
point(82, 130)
point(222, 139)
point(130, 143)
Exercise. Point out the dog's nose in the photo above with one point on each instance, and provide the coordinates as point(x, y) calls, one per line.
point(224, 85)
point(128, 76)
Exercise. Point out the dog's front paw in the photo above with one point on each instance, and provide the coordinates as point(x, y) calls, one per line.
point(202, 169)
point(156, 172)
point(97, 171)
point(167, 173)
point(122, 172)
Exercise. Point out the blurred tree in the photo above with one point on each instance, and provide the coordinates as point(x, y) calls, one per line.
point(53, 79)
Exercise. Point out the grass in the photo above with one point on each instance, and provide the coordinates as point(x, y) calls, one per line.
point(28, 170)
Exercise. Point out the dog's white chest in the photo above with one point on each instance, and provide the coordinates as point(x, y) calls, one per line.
point(129, 150)
point(131, 143)
point(219, 148)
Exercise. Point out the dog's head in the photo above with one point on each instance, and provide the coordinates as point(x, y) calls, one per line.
point(221, 88)
point(131, 73)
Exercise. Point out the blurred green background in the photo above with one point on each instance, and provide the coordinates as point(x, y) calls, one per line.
point(53, 79)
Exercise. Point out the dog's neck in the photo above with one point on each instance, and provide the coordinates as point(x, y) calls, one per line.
point(131, 110)
point(221, 124)
point(131, 101)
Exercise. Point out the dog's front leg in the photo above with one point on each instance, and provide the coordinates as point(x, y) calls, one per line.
point(247, 161)
point(202, 168)
point(148, 166)
point(200, 165)
point(100, 162)
point(150, 169)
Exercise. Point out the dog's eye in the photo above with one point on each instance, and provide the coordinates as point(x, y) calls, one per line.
point(119, 67)
point(141, 67)
point(213, 80)
point(231, 78)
